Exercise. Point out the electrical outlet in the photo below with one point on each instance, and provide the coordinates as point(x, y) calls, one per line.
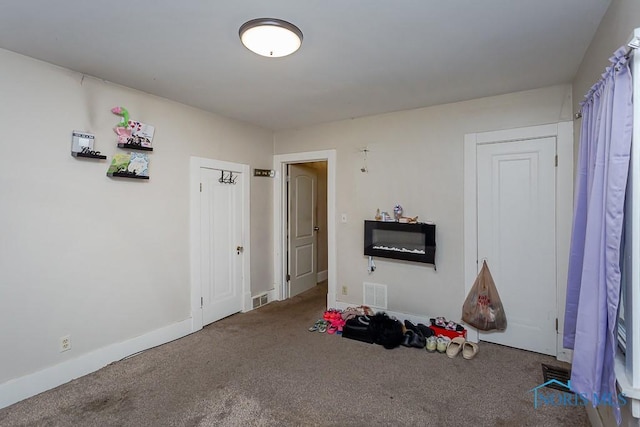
point(344, 290)
point(65, 343)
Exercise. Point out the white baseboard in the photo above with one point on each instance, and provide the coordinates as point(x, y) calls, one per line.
point(248, 302)
point(29, 385)
point(322, 276)
point(563, 354)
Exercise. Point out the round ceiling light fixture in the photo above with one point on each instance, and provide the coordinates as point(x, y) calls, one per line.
point(270, 37)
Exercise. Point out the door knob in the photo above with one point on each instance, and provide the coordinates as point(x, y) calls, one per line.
point(316, 228)
point(239, 249)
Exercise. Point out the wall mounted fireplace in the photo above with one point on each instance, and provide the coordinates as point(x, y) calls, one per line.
point(396, 240)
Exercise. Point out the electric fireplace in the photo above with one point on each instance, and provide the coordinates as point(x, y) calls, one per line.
point(396, 240)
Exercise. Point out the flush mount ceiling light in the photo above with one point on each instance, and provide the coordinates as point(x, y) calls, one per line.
point(270, 37)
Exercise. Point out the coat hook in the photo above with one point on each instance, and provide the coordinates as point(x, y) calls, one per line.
point(226, 177)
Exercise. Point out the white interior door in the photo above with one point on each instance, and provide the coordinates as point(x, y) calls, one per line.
point(221, 242)
point(516, 184)
point(302, 229)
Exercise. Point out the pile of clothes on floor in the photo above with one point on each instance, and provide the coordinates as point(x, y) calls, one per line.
point(363, 324)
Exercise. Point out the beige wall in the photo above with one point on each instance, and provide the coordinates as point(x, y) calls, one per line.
point(622, 17)
point(416, 159)
point(105, 260)
point(102, 259)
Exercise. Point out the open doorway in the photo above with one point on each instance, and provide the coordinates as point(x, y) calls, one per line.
point(306, 230)
point(323, 163)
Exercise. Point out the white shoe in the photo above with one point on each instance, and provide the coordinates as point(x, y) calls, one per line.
point(431, 344)
point(442, 343)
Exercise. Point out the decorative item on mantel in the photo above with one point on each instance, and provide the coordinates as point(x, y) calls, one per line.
point(132, 134)
point(384, 216)
point(397, 212)
point(408, 220)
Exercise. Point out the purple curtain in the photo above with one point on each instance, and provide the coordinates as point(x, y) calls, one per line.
point(593, 286)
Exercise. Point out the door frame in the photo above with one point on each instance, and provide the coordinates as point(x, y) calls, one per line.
point(563, 132)
point(280, 163)
point(194, 195)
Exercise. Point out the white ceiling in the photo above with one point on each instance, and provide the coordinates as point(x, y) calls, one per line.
point(358, 57)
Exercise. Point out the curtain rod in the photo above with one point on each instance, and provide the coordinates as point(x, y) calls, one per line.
point(633, 44)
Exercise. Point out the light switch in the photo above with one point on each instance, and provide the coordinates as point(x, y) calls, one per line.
point(344, 218)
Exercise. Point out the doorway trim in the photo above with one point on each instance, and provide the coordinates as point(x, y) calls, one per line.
point(280, 163)
point(563, 132)
point(195, 164)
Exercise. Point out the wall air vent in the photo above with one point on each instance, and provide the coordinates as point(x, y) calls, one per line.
point(260, 300)
point(375, 295)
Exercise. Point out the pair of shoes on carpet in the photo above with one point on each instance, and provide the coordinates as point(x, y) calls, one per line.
point(441, 322)
point(461, 345)
point(416, 335)
point(413, 339)
point(421, 329)
point(437, 343)
point(321, 326)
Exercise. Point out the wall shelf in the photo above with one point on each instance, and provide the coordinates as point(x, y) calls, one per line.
point(126, 175)
point(89, 156)
point(403, 241)
point(135, 147)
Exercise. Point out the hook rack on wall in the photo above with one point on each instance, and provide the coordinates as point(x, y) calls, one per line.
point(226, 177)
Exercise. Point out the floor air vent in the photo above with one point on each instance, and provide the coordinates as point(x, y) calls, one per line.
point(561, 375)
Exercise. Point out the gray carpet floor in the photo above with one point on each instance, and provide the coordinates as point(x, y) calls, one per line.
point(264, 368)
